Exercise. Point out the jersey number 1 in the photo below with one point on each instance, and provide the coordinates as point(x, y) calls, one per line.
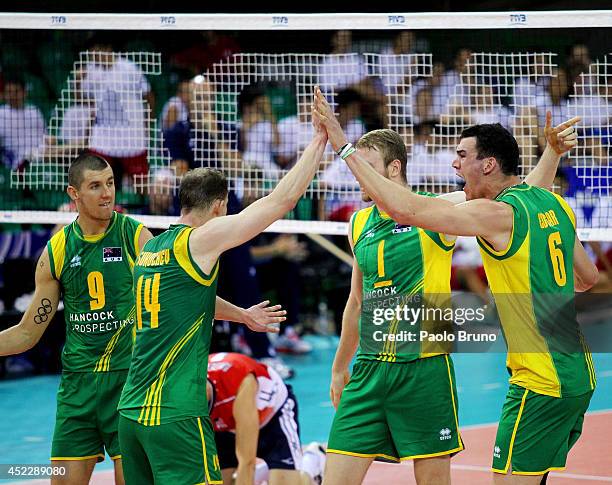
point(380, 257)
point(151, 299)
point(556, 258)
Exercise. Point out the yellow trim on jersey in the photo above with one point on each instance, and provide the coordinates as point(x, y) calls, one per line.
point(208, 480)
point(446, 242)
point(137, 247)
point(359, 221)
point(516, 424)
point(92, 238)
point(589, 362)
point(150, 413)
point(432, 455)
point(78, 458)
point(181, 252)
point(363, 455)
point(103, 365)
point(58, 253)
point(116, 457)
point(504, 251)
point(450, 381)
point(565, 206)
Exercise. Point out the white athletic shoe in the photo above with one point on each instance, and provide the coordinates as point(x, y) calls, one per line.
point(313, 461)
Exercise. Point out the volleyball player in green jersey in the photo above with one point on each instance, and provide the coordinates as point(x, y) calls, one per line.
point(164, 429)
point(89, 262)
point(530, 252)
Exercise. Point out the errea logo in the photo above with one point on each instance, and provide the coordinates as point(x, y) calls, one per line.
point(445, 434)
point(497, 452)
point(76, 261)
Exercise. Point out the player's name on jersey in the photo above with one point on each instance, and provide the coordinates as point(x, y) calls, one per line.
point(425, 336)
point(159, 258)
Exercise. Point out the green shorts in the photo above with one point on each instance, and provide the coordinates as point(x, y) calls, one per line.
point(536, 432)
point(398, 411)
point(87, 417)
point(181, 453)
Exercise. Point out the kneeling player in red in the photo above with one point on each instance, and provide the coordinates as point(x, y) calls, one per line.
point(254, 414)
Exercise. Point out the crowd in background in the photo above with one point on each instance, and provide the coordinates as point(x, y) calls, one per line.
point(111, 108)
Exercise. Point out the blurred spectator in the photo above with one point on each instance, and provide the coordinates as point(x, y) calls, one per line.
point(22, 127)
point(578, 60)
point(176, 109)
point(278, 269)
point(455, 83)
point(395, 61)
point(423, 108)
point(343, 68)
point(207, 48)
point(439, 92)
point(77, 119)
point(554, 98)
point(528, 88)
point(258, 131)
point(430, 162)
point(162, 193)
point(294, 133)
point(119, 89)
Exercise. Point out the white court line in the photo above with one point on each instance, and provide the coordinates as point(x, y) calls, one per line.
point(474, 468)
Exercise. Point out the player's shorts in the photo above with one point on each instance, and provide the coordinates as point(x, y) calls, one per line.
point(398, 411)
point(87, 418)
point(536, 432)
point(178, 453)
point(279, 440)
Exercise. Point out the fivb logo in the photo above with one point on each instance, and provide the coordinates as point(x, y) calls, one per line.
point(497, 452)
point(398, 20)
point(518, 19)
point(445, 434)
point(58, 20)
point(167, 21)
point(280, 21)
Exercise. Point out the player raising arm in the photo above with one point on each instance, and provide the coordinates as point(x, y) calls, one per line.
point(164, 427)
point(529, 247)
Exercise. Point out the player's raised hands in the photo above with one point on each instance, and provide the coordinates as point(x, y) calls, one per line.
point(325, 115)
point(561, 138)
point(264, 318)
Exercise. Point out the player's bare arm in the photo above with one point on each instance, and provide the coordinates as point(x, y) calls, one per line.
point(143, 237)
point(586, 273)
point(247, 430)
point(39, 314)
point(221, 233)
point(349, 334)
point(262, 317)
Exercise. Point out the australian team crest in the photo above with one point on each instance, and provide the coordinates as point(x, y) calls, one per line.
point(110, 255)
point(399, 228)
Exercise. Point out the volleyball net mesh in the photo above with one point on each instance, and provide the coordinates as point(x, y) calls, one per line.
point(158, 102)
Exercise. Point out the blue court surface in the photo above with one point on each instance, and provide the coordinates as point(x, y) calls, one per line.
point(27, 406)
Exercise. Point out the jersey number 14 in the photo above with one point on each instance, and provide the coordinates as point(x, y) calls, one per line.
point(150, 299)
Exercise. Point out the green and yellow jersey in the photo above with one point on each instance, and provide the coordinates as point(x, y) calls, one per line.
point(403, 267)
point(95, 275)
point(533, 285)
point(175, 307)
